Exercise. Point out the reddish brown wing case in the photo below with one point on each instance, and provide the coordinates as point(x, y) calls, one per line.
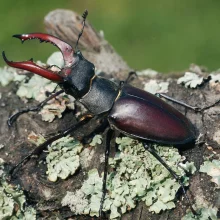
point(140, 114)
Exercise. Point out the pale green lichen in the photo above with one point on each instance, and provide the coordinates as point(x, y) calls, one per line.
point(156, 87)
point(206, 210)
point(63, 158)
point(147, 72)
point(12, 204)
point(190, 80)
point(36, 88)
point(76, 201)
point(9, 74)
point(137, 176)
point(204, 214)
point(97, 139)
point(56, 58)
point(87, 199)
point(12, 201)
point(214, 78)
point(212, 168)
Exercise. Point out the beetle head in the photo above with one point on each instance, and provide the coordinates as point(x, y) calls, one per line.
point(74, 77)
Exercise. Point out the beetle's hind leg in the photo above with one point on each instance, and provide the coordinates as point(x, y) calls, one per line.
point(150, 149)
point(38, 150)
point(194, 108)
point(14, 117)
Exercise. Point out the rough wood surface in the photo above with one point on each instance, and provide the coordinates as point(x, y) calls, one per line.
point(47, 196)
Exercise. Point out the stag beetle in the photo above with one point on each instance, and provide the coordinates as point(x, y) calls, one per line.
point(129, 110)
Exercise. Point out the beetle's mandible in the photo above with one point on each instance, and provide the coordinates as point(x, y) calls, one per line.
point(132, 111)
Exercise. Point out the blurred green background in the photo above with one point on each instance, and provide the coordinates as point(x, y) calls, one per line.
point(163, 35)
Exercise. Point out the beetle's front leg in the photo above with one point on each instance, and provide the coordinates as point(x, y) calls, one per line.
point(14, 117)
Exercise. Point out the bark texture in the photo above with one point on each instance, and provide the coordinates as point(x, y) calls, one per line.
point(66, 25)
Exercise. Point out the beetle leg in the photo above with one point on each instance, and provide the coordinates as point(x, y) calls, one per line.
point(64, 47)
point(14, 117)
point(49, 67)
point(196, 109)
point(107, 151)
point(175, 176)
point(38, 150)
point(130, 77)
point(32, 67)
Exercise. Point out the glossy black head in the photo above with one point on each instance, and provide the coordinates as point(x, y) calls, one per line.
point(77, 82)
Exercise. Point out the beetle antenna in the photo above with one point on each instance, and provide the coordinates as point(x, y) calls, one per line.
point(84, 15)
